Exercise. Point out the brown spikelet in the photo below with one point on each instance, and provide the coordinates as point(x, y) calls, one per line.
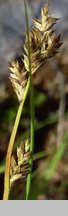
point(43, 42)
point(20, 167)
point(18, 77)
point(46, 21)
point(35, 50)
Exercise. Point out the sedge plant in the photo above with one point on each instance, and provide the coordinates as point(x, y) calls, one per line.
point(41, 43)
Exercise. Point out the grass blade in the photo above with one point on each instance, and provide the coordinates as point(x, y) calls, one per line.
point(10, 147)
point(56, 158)
point(31, 104)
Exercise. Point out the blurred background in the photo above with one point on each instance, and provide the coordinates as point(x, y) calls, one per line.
point(51, 98)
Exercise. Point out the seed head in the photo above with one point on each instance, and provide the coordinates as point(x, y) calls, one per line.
point(20, 166)
point(46, 22)
point(18, 77)
point(44, 44)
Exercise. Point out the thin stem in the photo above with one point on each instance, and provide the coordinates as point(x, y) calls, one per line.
point(39, 155)
point(31, 105)
point(56, 158)
point(54, 161)
point(10, 147)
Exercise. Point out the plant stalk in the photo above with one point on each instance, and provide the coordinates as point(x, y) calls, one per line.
point(10, 147)
point(31, 105)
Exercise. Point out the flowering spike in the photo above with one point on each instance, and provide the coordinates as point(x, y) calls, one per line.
point(18, 77)
point(19, 168)
point(43, 45)
point(46, 21)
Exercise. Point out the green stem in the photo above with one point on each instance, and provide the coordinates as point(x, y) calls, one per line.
point(31, 106)
point(39, 155)
point(54, 161)
point(10, 147)
point(56, 158)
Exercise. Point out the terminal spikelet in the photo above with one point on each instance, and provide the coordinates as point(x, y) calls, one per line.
point(43, 41)
point(46, 22)
point(44, 44)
